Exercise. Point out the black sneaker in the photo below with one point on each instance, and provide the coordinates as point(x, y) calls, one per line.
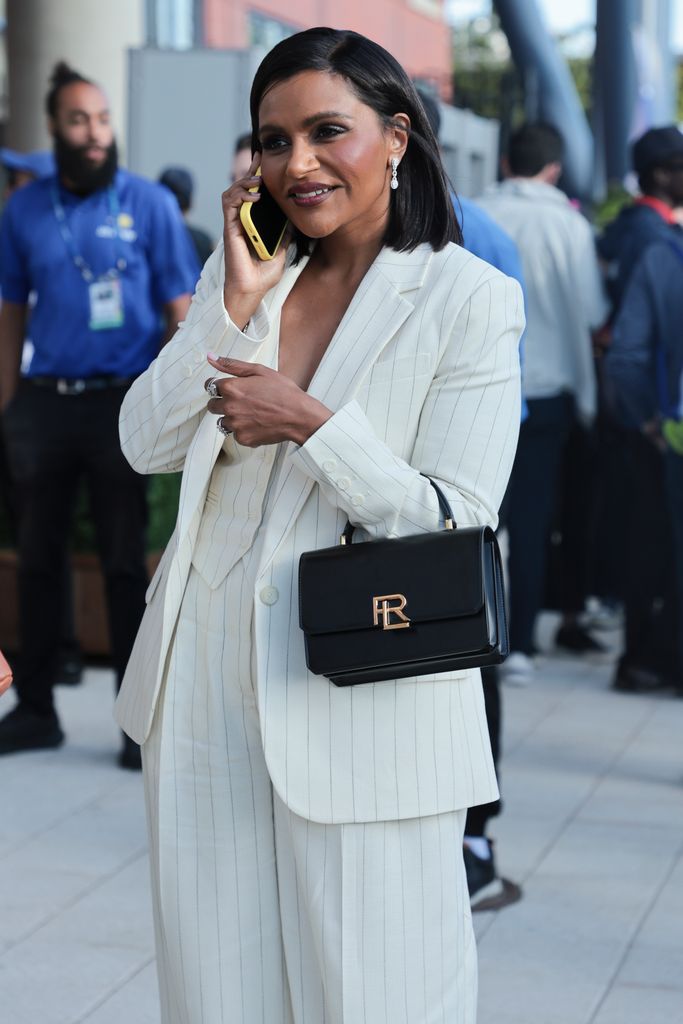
point(577, 640)
point(25, 729)
point(635, 679)
point(69, 670)
point(130, 756)
point(488, 891)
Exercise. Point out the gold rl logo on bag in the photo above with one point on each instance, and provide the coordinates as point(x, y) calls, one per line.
point(381, 609)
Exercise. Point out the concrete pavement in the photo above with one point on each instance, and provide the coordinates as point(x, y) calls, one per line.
point(592, 828)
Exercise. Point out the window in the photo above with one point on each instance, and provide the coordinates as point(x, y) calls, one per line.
point(266, 32)
point(174, 24)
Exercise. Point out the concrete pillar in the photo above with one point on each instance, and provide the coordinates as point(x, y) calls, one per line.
point(91, 35)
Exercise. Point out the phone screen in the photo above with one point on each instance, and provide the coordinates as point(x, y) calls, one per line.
point(268, 218)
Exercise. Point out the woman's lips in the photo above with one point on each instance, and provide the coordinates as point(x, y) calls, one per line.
point(311, 194)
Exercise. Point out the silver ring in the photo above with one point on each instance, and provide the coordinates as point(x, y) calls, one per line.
point(223, 430)
point(211, 388)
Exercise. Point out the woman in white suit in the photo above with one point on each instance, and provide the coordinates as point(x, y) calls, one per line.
point(306, 840)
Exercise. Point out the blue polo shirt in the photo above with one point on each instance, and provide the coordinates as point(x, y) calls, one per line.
point(160, 266)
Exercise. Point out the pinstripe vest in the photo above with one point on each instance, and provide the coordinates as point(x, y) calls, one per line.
point(236, 498)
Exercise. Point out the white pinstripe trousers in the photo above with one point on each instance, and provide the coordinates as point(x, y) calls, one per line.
point(262, 917)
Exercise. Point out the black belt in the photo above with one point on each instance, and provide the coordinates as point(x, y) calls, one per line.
point(76, 386)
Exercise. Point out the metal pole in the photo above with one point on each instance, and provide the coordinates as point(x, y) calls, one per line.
point(535, 52)
point(615, 81)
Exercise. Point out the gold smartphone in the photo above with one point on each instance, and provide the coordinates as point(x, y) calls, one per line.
point(264, 222)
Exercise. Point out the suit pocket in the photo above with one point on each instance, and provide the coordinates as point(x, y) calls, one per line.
point(400, 368)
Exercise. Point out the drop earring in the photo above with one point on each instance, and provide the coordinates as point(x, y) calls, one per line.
point(394, 175)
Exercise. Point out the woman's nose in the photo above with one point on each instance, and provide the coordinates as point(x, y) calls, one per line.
point(302, 158)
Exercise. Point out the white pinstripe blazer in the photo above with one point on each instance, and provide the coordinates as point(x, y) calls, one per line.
point(423, 377)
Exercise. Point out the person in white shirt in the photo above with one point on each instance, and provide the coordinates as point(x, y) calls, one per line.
point(564, 303)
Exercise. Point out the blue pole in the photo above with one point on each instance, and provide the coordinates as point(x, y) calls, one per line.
point(540, 62)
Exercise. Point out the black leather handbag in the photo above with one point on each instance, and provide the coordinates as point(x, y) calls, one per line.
point(406, 606)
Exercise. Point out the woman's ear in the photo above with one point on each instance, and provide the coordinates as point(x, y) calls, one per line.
point(400, 132)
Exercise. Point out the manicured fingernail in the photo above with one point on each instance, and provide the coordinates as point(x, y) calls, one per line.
point(212, 355)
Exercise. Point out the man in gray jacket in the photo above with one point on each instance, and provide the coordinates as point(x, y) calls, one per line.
point(564, 303)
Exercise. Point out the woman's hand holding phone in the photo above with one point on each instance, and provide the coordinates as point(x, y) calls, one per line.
point(247, 278)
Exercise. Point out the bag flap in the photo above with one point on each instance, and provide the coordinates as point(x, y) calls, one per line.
point(439, 575)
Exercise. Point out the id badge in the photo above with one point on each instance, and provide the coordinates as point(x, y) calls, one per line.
point(106, 304)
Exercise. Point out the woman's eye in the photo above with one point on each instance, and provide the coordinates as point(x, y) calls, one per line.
point(272, 142)
point(329, 131)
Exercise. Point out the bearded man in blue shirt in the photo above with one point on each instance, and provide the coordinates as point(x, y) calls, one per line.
point(105, 257)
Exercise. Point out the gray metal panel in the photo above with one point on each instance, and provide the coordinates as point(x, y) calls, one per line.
point(186, 109)
point(469, 145)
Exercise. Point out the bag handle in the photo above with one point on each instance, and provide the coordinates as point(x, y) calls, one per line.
point(446, 511)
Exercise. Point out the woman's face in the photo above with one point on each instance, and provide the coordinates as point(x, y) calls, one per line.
point(326, 156)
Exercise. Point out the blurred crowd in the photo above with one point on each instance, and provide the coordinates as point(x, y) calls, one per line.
point(97, 267)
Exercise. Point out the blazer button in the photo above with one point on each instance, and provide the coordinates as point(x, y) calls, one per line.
point(269, 595)
point(329, 466)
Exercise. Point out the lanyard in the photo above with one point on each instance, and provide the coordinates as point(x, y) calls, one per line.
point(70, 243)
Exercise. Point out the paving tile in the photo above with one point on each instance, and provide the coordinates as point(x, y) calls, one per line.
point(655, 958)
point(592, 782)
point(51, 871)
point(136, 1001)
point(628, 1005)
point(41, 787)
point(93, 948)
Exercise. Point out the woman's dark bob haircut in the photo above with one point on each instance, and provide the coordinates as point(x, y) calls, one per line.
point(421, 208)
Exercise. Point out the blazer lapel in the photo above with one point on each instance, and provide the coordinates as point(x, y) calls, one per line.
point(378, 309)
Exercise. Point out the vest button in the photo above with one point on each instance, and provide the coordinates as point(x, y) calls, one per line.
point(269, 595)
point(329, 465)
point(343, 483)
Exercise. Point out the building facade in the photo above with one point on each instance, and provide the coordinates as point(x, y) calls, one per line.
point(415, 31)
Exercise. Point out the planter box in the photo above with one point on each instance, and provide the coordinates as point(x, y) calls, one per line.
point(90, 613)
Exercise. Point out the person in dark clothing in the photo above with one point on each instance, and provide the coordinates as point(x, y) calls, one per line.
point(20, 170)
point(106, 257)
point(179, 181)
point(634, 488)
point(643, 369)
point(658, 161)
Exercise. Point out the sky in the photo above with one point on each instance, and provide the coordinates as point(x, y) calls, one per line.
point(561, 14)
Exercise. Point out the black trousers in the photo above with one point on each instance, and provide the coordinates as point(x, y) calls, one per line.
point(650, 601)
point(570, 577)
point(674, 493)
point(478, 817)
point(532, 499)
point(54, 442)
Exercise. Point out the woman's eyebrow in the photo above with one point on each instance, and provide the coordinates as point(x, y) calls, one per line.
point(307, 122)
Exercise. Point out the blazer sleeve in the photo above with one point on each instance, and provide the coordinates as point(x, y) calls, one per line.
point(163, 408)
point(467, 433)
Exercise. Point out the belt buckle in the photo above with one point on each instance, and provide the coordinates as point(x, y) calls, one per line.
point(70, 387)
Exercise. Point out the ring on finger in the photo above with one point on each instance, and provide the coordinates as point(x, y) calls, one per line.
point(211, 388)
point(220, 426)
